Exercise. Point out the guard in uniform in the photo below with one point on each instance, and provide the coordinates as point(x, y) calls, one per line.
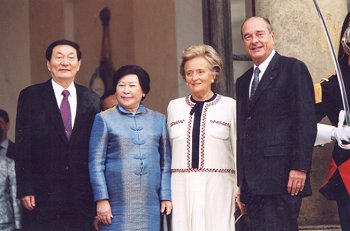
point(328, 103)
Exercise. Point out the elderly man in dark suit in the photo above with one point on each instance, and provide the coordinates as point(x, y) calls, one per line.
point(276, 131)
point(53, 125)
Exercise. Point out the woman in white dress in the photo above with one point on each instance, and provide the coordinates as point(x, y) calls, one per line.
point(202, 131)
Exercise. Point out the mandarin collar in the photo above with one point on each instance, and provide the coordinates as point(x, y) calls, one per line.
point(140, 110)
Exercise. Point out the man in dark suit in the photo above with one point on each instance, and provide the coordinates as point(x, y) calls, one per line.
point(53, 125)
point(10, 206)
point(276, 132)
point(108, 100)
point(6, 143)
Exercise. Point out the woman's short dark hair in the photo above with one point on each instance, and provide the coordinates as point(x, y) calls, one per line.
point(141, 74)
point(4, 116)
point(50, 48)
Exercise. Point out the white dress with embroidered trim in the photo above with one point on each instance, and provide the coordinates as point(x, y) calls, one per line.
point(203, 198)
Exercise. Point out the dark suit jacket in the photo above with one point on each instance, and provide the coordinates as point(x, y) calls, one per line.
point(276, 128)
point(49, 166)
point(11, 150)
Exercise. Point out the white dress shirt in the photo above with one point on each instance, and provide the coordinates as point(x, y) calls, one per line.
point(72, 98)
point(262, 68)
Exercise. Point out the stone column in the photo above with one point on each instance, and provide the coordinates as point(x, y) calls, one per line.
point(217, 33)
point(299, 33)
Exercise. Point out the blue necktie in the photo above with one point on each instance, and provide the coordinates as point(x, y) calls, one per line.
point(255, 82)
point(66, 114)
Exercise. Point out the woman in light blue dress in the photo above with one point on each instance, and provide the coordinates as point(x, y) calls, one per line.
point(129, 158)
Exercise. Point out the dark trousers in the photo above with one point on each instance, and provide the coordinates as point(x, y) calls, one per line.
point(273, 212)
point(344, 214)
point(41, 220)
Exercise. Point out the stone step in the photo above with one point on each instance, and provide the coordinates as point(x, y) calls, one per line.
point(320, 228)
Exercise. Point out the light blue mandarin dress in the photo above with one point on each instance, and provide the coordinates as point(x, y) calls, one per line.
point(129, 164)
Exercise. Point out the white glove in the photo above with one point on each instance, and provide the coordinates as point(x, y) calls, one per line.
point(342, 132)
point(324, 133)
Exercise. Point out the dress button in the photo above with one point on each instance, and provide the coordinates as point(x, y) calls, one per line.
point(67, 168)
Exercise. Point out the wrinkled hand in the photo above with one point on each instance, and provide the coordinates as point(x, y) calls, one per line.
point(342, 132)
point(296, 182)
point(104, 212)
point(166, 207)
point(240, 204)
point(29, 202)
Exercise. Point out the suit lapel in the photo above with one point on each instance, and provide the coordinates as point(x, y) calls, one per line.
point(80, 109)
point(246, 85)
point(53, 111)
point(269, 76)
point(11, 150)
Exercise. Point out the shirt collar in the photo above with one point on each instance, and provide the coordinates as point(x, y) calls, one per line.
point(58, 88)
point(263, 65)
point(5, 144)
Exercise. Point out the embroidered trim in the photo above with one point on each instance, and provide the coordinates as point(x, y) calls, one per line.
point(176, 122)
point(221, 123)
point(203, 126)
point(188, 101)
point(214, 170)
point(188, 141)
point(202, 140)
